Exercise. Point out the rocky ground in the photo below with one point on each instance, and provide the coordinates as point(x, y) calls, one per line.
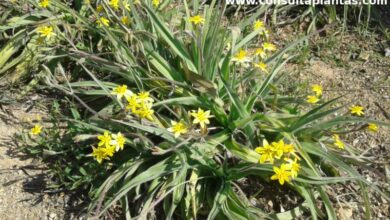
point(24, 192)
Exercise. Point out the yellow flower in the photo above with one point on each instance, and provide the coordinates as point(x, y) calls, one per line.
point(114, 4)
point(178, 128)
point(145, 111)
point(99, 8)
point(144, 97)
point(201, 117)
point(99, 154)
point(260, 52)
point(293, 166)
point(288, 149)
point(278, 148)
point(317, 89)
point(36, 130)
point(261, 66)
point(105, 139)
point(372, 127)
point(197, 19)
point(312, 99)
point(241, 57)
point(337, 142)
point(127, 6)
point(46, 31)
point(44, 3)
point(266, 152)
point(357, 110)
point(132, 103)
point(103, 22)
point(121, 91)
point(282, 174)
point(258, 25)
point(269, 47)
point(109, 150)
point(125, 20)
point(156, 3)
point(118, 141)
point(141, 105)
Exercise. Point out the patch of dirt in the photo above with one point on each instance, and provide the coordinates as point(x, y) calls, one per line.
point(24, 194)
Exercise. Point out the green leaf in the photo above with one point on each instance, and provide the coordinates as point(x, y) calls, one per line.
point(160, 169)
point(242, 152)
point(173, 43)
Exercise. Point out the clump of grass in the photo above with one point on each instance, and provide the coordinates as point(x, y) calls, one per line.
point(174, 108)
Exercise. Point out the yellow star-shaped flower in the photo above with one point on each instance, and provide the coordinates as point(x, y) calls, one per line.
point(293, 166)
point(145, 111)
point(317, 89)
point(357, 110)
point(373, 127)
point(44, 3)
point(36, 130)
point(105, 139)
point(156, 3)
point(260, 52)
point(312, 99)
point(269, 47)
point(178, 128)
point(337, 142)
point(99, 154)
point(261, 66)
point(103, 22)
point(125, 20)
point(144, 97)
point(282, 174)
point(267, 152)
point(121, 91)
point(114, 4)
point(118, 141)
point(201, 117)
point(46, 31)
point(241, 57)
point(258, 25)
point(197, 19)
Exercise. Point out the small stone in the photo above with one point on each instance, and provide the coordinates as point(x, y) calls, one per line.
point(253, 201)
point(270, 204)
point(52, 216)
point(281, 208)
point(387, 52)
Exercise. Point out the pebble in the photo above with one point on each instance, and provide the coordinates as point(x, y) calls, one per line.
point(52, 216)
point(387, 52)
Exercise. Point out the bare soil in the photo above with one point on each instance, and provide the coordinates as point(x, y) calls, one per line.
point(24, 193)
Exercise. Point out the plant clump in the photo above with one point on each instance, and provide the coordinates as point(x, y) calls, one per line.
point(170, 106)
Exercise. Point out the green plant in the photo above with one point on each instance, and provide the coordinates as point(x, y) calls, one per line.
point(166, 64)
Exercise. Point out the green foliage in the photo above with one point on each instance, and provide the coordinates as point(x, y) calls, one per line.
point(185, 67)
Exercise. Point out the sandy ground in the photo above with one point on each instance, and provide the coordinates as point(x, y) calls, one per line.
point(23, 193)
